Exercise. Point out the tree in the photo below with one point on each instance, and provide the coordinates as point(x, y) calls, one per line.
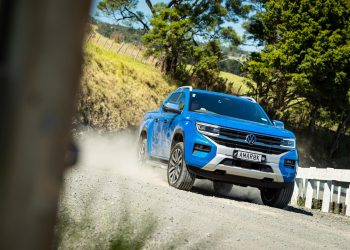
point(179, 30)
point(343, 126)
point(206, 67)
point(306, 55)
point(124, 11)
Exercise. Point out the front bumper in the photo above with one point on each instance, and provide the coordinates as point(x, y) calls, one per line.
point(235, 179)
point(213, 168)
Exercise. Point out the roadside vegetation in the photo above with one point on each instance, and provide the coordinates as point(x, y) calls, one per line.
point(121, 233)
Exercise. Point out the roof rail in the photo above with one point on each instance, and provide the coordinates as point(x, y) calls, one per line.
point(186, 87)
point(249, 98)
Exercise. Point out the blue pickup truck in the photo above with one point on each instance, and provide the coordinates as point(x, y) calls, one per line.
point(224, 138)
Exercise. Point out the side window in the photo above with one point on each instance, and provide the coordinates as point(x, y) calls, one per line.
point(174, 97)
point(181, 101)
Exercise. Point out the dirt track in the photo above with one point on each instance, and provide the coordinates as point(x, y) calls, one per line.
point(107, 194)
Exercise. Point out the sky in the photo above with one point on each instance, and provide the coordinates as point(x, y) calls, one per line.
point(142, 6)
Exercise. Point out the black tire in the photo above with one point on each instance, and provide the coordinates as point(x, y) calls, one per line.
point(142, 154)
point(177, 172)
point(222, 188)
point(278, 198)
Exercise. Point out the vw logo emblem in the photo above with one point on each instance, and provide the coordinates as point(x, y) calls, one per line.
point(250, 139)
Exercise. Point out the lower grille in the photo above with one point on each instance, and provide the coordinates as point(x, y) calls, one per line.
point(247, 165)
point(242, 145)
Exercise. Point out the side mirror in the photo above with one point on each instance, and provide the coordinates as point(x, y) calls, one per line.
point(171, 108)
point(278, 124)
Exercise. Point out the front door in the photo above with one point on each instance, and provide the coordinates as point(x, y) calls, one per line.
point(169, 122)
point(158, 128)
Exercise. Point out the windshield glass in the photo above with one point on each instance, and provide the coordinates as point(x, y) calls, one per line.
point(228, 106)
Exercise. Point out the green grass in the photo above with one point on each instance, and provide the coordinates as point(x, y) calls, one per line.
point(236, 84)
point(239, 85)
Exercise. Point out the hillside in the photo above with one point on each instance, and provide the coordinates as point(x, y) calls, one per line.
point(116, 89)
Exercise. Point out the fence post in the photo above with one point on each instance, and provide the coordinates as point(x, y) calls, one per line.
point(104, 45)
point(326, 196)
point(347, 202)
point(138, 53)
point(98, 39)
point(318, 183)
point(309, 194)
point(120, 47)
point(332, 192)
point(90, 35)
point(112, 43)
point(301, 188)
point(126, 49)
point(339, 194)
point(294, 200)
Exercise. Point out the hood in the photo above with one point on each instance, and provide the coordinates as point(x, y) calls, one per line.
point(234, 123)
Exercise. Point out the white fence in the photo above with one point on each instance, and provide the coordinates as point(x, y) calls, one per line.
point(332, 186)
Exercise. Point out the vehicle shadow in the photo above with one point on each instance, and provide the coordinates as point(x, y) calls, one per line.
point(298, 210)
point(251, 195)
point(242, 195)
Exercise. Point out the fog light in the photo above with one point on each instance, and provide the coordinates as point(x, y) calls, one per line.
point(201, 147)
point(289, 163)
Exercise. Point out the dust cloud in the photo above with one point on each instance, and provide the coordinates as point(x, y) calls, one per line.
point(116, 152)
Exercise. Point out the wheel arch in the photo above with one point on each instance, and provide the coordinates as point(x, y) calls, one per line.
point(178, 136)
point(143, 133)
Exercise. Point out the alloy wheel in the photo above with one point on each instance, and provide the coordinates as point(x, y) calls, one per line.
point(141, 150)
point(175, 165)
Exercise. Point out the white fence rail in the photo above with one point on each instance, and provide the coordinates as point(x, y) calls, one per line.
point(332, 186)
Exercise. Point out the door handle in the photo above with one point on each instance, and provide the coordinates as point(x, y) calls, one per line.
point(156, 120)
point(165, 121)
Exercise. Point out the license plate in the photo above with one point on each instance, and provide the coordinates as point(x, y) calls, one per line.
point(243, 155)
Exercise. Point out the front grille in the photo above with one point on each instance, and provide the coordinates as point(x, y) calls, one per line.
point(247, 165)
point(242, 145)
point(237, 134)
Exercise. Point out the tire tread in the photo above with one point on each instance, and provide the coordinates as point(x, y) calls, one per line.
point(283, 197)
point(186, 179)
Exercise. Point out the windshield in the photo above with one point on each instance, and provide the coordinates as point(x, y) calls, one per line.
point(228, 106)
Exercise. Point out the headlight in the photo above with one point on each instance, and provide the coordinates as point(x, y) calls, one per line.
point(288, 143)
point(208, 129)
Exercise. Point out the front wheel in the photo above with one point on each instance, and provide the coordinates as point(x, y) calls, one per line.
point(177, 173)
point(277, 197)
point(222, 188)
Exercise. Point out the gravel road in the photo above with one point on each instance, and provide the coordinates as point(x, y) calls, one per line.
point(108, 199)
